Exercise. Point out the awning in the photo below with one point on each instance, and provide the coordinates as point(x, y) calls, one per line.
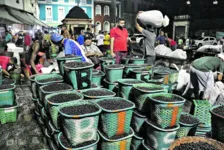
point(20, 16)
point(6, 18)
point(36, 21)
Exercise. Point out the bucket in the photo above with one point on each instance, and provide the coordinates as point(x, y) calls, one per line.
point(97, 78)
point(113, 74)
point(104, 61)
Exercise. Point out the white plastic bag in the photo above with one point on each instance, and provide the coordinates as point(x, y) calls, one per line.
point(154, 18)
point(183, 79)
point(179, 53)
point(162, 50)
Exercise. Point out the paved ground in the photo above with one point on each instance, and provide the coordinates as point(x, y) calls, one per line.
point(25, 133)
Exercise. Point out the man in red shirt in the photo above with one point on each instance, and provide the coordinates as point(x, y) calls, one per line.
point(119, 40)
point(5, 62)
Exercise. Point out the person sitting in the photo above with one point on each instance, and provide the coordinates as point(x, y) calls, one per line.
point(71, 47)
point(6, 61)
point(91, 51)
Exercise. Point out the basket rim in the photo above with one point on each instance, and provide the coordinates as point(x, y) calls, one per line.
point(15, 105)
point(111, 83)
point(118, 68)
point(81, 102)
point(80, 148)
point(140, 71)
point(137, 59)
point(194, 140)
point(96, 97)
point(98, 75)
point(138, 114)
point(132, 66)
point(69, 58)
point(110, 59)
point(54, 74)
point(79, 68)
point(41, 88)
point(138, 137)
point(217, 115)
point(12, 88)
point(145, 146)
point(14, 81)
point(115, 111)
point(122, 81)
point(65, 92)
point(117, 140)
point(175, 128)
point(150, 96)
point(46, 133)
point(188, 125)
point(135, 86)
point(53, 128)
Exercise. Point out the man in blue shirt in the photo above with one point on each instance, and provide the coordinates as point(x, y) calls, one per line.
point(161, 39)
point(71, 47)
point(81, 38)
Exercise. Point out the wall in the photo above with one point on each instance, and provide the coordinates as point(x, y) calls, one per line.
point(13, 3)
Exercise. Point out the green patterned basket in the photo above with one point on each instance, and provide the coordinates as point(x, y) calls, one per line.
point(186, 129)
point(80, 128)
point(217, 126)
point(140, 95)
point(87, 97)
point(123, 143)
point(115, 122)
point(7, 96)
point(80, 77)
point(62, 60)
point(8, 114)
point(136, 142)
point(164, 114)
point(45, 77)
point(109, 85)
point(125, 88)
point(13, 83)
point(137, 122)
point(104, 62)
point(159, 138)
point(53, 108)
point(138, 61)
point(92, 146)
point(33, 85)
point(113, 74)
point(97, 78)
point(45, 93)
point(128, 68)
point(201, 110)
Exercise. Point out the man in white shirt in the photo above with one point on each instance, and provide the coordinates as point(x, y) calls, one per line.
point(100, 41)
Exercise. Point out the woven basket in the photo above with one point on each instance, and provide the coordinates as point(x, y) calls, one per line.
point(201, 111)
point(125, 88)
point(109, 85)
point(128, 68)
point(89, 147)
point(52, 145)
point(140, 75)
point(7, 96)
point(61, 61)
point(33, 86)
point(52, 129)
point(80, 128)
point(193, 139)
point(186, 129)
point(40, 121)
point(137, 122)
point(140, 96)
point(53, 108)
point(13, 83)
point(47, 76)
point(80, 77)
point(138, 61)
point(217, 126)
point(97, 78)
point(45, 93)
point(136, 142)
point(159, 138)
point(115, 122)
point(113, 74)
point(8, 114)
point(87, 97)
point(44, 116)
point(145, 147)
point(39, 106)
point(164, 114)
point(118, 144)
point(104, 63)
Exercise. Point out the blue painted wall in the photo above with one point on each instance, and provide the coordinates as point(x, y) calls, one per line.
point(42, 8)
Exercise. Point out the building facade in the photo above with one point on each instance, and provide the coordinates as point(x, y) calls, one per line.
point(52, 12)
point(18, 4)
point(102, 16)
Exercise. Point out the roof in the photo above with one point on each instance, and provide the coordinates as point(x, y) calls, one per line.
point(77, 13)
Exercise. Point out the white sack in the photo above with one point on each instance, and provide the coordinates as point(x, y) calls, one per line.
point(162, 50)
point(154, 18)
point(215, 48)
point(179, 53)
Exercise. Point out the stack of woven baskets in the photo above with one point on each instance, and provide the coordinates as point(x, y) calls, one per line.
point(8, 104)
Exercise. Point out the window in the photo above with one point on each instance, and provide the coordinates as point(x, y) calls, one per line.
point(98, 27)
point(61, 1)
point(60, 13)
point(206, 39)
point(71, 1)
point(106, 10)
point(83, 2)
point(17, 1)
point(49, 13)
point(48, 1)
point(98, 10)
point(106, 26)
